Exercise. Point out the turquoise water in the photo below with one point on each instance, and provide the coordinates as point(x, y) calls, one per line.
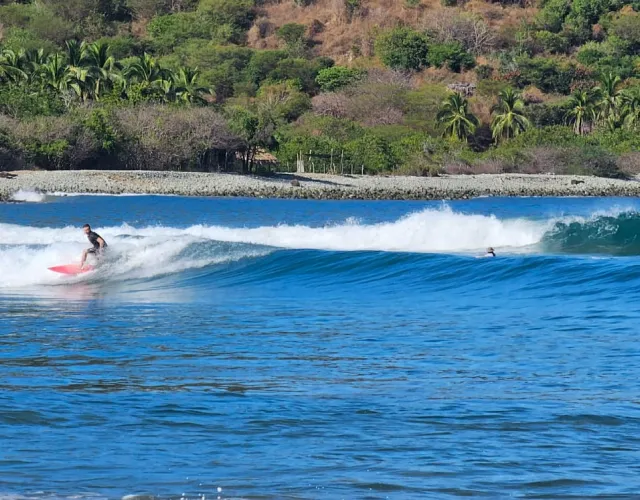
point(240, 348)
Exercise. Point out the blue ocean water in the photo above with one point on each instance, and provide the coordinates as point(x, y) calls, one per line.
point(240, 348)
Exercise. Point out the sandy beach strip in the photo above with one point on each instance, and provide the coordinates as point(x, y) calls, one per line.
point(312, 186)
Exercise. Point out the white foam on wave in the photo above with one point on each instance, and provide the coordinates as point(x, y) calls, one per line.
point(62, 194)
point(27, 252)
point(29, 196)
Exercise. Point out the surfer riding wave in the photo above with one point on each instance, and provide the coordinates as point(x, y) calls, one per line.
point(97, 242)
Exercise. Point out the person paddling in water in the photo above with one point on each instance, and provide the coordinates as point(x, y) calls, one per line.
point(99, 245)
point(490, 252)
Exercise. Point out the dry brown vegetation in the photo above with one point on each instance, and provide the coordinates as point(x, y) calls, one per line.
point(479, 25)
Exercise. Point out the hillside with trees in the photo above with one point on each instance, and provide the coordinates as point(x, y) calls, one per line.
point(416, 87)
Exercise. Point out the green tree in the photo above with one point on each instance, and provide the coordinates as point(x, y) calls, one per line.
point(452, 54)
point(146, 70)
point(509, 119)
point(631, 109)
point(582, 111)
point(187, 88)
point(332, 79)
point(454, 115)
point(609, 105)
point(403, 48)
point(55, 73)
point(552, 15)
point(252, 129)
point(11, 69)
point(103, 66)
point(75, 52)
point(169, 31)
point(294, 36)
point(231, 16)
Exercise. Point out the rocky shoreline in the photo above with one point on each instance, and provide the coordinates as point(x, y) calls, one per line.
point(312, 186)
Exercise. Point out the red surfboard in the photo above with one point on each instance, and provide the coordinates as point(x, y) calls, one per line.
point(71, 269)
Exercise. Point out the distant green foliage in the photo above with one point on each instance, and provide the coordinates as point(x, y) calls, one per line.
point(17, 39)
point(552, 43)
point(451, 54)
point(292, 33)
point(262, 63)
point(372, 152)
point(626, 27)
point(303, 71)
point(549, 75)
point(169, 31)
point(403, 48)
point(28, 101)
point(38, 21)
point(551, 17)
point(332, 79)
point(591, 52)
point(585, 13)
point(100, 124)
point(294, 36)
point(228, 18)
point(284, 101)
point(123, 46)
point(65, 103)
point(484, 71)
point(546, 115)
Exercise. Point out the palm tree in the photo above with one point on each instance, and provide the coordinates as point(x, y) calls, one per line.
point(186, 86)
point(33, 58)
point(76, 53)
point(11, 67)
point(103, 67)
point(459, 122)
point(631, 109)
point(55, 73)
point(583, 111)
point(609, 105)
point(146, 70)
point(82, 83)
point(509, 119)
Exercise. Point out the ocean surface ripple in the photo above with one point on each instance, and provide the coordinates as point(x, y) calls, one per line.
point(233, 348)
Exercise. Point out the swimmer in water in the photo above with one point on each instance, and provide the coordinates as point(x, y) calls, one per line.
point(490, 252)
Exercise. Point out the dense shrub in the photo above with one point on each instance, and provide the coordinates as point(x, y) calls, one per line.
point(452, 55)
point(549, 75)
point(38, 20)
point(169, 31)
point(262, 63)
point(294, 36)
point(627, 28)
point(546, 115)
point(233, 17)
point(403, 48)
point(303, 71)
point(18, 101)
point(552, 15)
point(332, 79)
point(551, 42)
point(484, 71)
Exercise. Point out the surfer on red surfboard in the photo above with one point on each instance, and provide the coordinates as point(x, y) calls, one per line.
point(99, 245)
